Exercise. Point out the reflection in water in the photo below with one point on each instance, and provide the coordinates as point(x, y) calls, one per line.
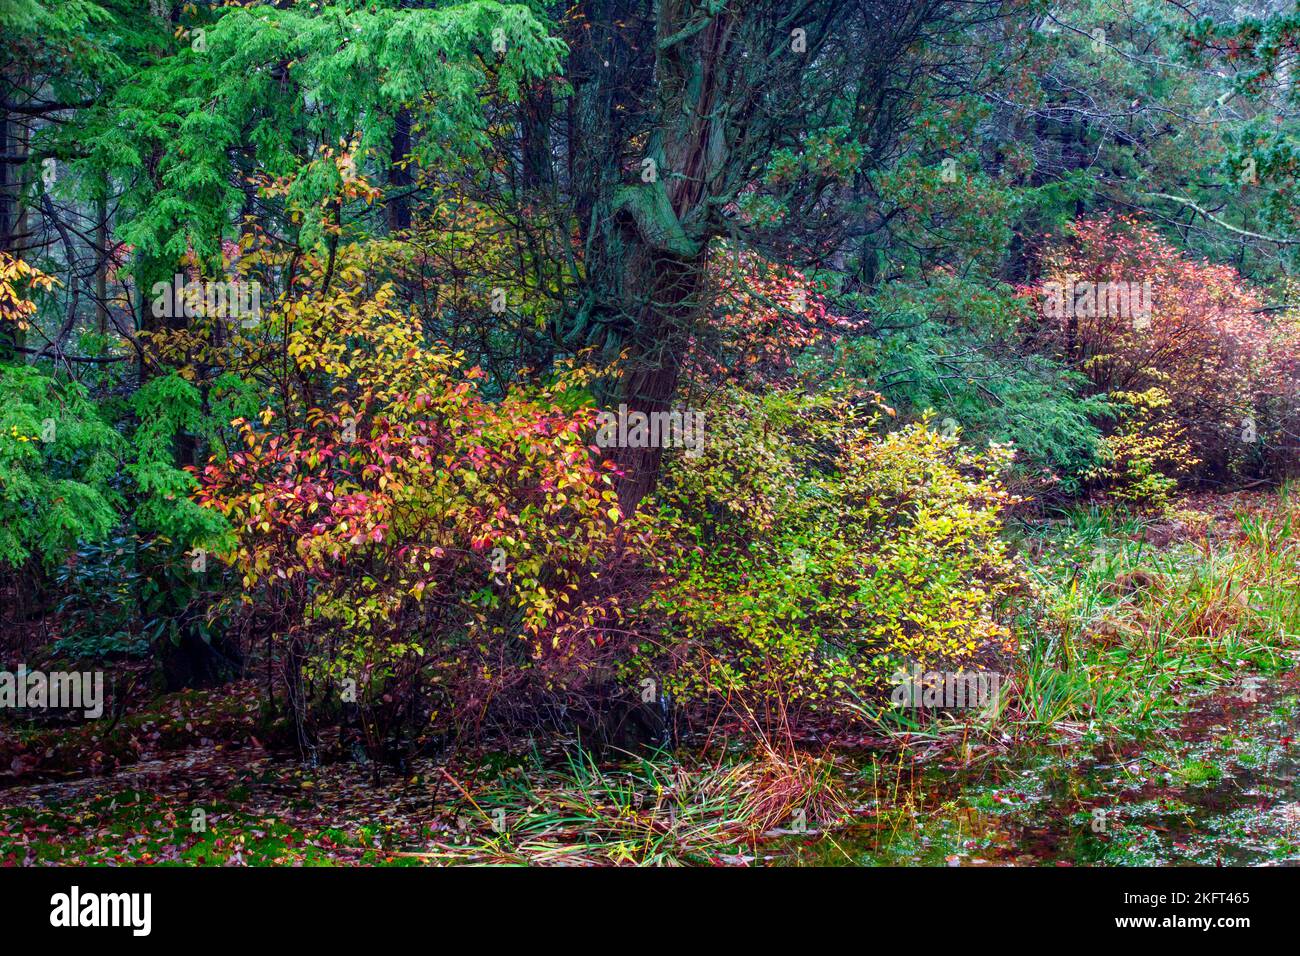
point(1219, 790)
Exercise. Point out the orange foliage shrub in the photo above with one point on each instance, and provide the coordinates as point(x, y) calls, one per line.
point(1122, 305)
point(412, 542)
point(764, 315)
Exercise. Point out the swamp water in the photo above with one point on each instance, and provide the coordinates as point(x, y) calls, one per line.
point(1221, 789)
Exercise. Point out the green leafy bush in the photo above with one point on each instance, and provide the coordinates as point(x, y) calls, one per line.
point(127, 593)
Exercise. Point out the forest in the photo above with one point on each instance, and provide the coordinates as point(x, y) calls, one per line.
point(717, 433)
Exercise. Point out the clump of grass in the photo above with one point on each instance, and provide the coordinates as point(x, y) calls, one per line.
point(645, 812)
point(1200, 771)
point(641, 813)
point(782, 784)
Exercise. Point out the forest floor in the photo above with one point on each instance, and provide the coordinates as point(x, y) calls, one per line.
point(1152, 718)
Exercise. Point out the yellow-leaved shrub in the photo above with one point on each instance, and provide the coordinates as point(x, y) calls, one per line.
point(822, 554)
